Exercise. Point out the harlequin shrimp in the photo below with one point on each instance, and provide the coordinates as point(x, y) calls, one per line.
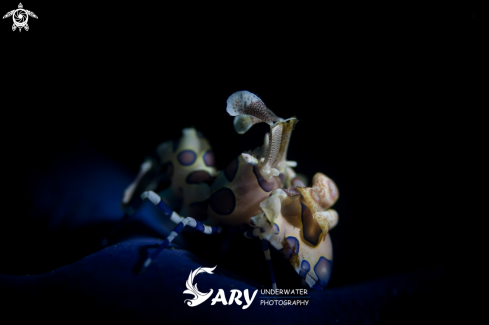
point(258, 189)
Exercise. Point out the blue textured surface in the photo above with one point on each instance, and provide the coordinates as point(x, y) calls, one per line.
point(103, 284)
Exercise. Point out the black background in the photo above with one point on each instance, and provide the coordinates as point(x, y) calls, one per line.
point(385, 97)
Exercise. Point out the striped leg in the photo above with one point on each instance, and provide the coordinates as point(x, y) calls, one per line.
point(136, 204)
point(189, 221)
point(180, 221)
point(265, 247)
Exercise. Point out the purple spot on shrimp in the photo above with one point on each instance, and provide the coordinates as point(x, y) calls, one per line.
point(276, 228)
point(323, 270)
point(292, 247)
point(231, 169)
point(267, 186)
point(199, 176)
point(305, 267)
point(209, 158)
point(187, 157)
point(223, 201)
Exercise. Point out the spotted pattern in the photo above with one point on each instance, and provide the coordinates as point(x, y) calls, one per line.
point(209, 158)
point(267, 186)
point(199, 176)
point(323, 270)
point(231, 170)
point(187, 157)
point(223, 201)
point(291, 248)
point(305, 267)
point(310, 227)
point(198, 210)
point(258, 109)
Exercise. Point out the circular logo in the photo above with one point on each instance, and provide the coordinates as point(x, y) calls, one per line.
point(20, 17)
